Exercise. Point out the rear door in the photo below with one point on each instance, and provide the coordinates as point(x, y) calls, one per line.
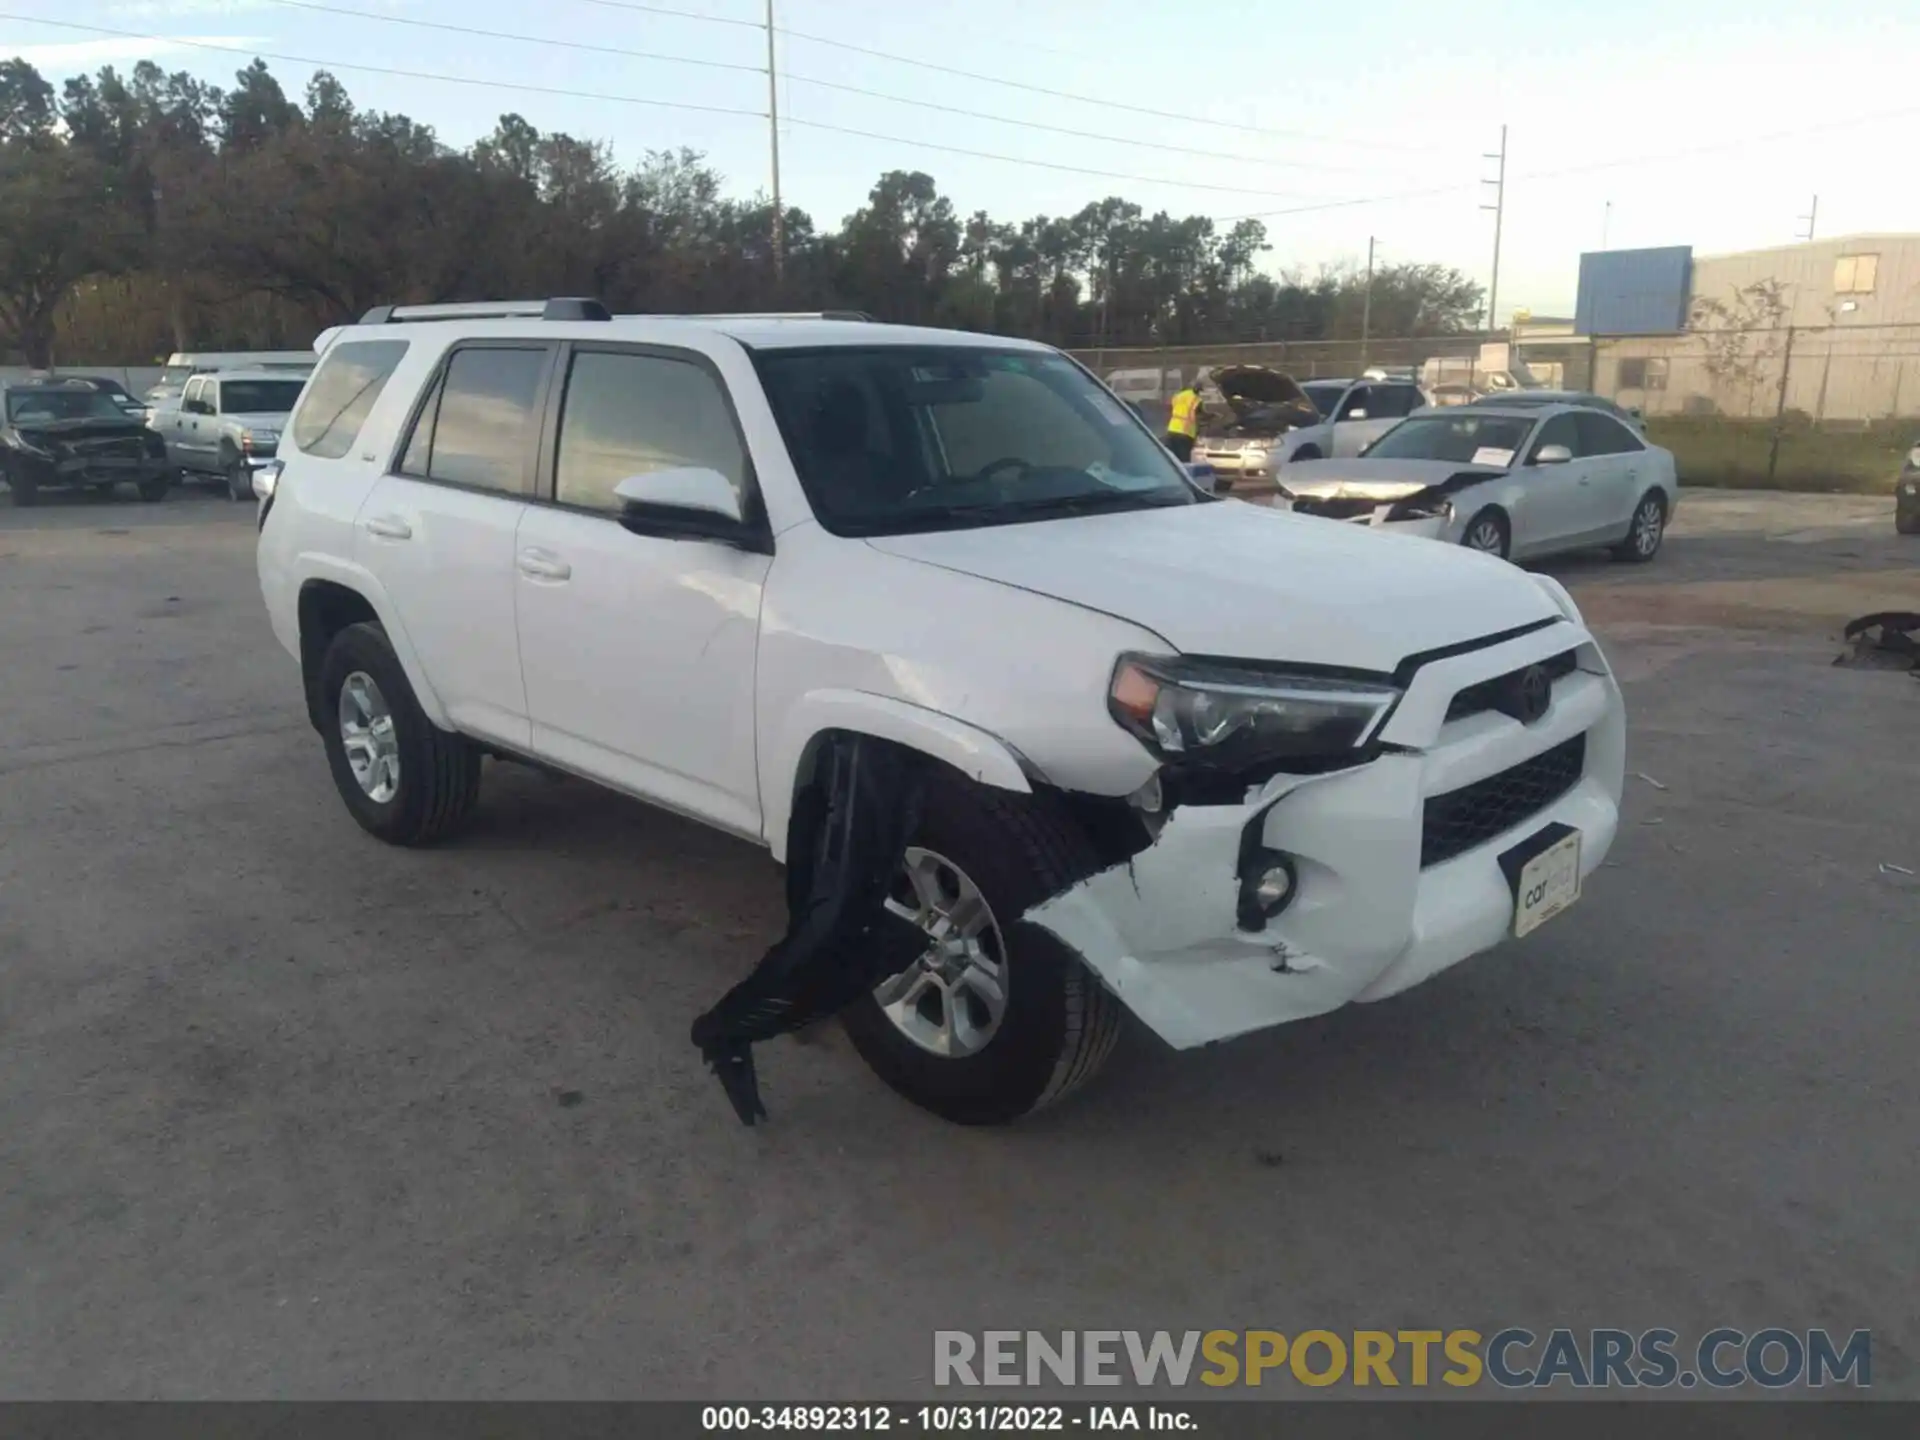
point(1616, 461)
point(1554, 508)
point(1370, 411)
point(437, 530)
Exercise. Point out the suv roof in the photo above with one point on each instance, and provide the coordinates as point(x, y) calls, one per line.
point(514, 320)
point(251, 375)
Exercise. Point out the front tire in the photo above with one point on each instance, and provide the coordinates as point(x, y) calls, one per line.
point(1907, 522)
point(239, 481)
point(1488, 533)
point(403, 779)
point(936, 1032)
point(1644, 532)
point(155, 488)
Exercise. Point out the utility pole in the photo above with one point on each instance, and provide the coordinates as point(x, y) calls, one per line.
point(773, 136)
point(1499, 209)
point(1366, 305)
point(1606, 223)
point(1813, 213)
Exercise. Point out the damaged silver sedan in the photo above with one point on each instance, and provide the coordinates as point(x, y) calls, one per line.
point(1520, 481)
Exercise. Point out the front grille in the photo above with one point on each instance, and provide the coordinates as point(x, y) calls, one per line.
point(1493, 694)
point(1335, 509)
point(120, 447)
point(1460, 819)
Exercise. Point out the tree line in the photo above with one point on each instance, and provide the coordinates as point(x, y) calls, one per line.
point(150, 212)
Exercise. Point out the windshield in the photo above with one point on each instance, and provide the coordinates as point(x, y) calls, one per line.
point(28, 407)
point(258, 397)
point(177, 375)
point(1325, 397)
point(1459, 436)
point(894, 440)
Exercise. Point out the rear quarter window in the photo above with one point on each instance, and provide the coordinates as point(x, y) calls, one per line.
point(341, 395)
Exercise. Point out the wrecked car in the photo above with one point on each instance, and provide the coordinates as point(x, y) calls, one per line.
point(1519, 482)
point(68, 432)
point(937, 620)
point(1245, 412)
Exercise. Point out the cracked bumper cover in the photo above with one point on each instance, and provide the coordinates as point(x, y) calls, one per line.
point(1367, 920)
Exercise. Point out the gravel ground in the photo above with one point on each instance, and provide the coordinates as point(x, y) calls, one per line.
point(287, 1113)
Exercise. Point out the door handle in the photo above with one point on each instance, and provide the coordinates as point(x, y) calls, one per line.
point(542, 565)
point(389, 527)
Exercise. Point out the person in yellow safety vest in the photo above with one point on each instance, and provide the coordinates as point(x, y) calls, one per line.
point(1183, 423)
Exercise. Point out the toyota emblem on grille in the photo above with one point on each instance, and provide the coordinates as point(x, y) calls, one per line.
point(1533, 693)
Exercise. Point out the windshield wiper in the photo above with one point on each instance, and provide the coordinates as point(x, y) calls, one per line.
point(1048, 507)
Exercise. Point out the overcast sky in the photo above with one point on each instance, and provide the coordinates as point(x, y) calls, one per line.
point(1711, 123)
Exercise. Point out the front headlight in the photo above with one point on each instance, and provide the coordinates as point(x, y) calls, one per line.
point(1241, 715)
point(1913, 458)
point(1417, 509)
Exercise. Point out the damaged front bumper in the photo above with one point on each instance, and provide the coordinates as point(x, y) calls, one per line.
point(1390, 887)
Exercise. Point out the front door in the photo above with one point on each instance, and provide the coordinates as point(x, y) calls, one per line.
point(438, 532)
point(639, 651)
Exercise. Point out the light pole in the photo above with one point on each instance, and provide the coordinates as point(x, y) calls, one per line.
point(1366, 305)
point(773, 135)
point(1499, 208)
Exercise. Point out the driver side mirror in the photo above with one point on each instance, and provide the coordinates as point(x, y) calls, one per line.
point(690, 502)
point(1552, 455)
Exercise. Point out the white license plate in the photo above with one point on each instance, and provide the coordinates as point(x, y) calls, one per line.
point(1549, 883)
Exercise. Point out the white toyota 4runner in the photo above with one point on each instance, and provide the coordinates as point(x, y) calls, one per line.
point(1221, 766)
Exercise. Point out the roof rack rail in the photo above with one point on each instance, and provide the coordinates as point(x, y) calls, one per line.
point(860, 315)
point(559, 308)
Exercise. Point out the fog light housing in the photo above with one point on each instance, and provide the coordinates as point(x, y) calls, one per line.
point(1268, 883)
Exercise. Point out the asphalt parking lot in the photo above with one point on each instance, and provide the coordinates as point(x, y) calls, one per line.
point(284, 1112)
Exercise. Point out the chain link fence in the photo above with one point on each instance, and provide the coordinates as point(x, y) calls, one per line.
point(1829, 407)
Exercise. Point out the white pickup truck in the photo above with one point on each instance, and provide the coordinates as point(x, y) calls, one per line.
point(227, 425)
point(1042, 732)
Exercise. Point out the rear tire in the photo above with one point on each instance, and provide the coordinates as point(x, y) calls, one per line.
point(1907, 522)
point(1059, 1024)
point(1644, 532)
point(438, 772)
point(239, 481)
point(21, 492)
point(156, 488)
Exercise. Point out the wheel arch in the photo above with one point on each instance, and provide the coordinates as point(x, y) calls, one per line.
point(789, 767)
point(327, 604)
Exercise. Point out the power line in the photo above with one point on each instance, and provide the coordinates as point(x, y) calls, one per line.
point(1026, 160)
point(1087, 99)
point(522, 39)
point(629, 100)
point(569, 92)
point(806, 80)
point(676, 14)
point(1562, 172)
point(1064, 130)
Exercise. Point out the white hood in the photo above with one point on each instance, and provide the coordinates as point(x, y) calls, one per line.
point(1239, 580)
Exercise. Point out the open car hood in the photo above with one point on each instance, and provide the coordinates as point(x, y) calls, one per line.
point(1254, 400)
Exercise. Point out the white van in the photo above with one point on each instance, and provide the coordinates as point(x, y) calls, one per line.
point(183, 365)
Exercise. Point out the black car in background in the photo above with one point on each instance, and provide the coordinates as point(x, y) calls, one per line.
point(65, 432)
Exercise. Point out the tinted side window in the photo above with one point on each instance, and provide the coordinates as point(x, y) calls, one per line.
point(1391, 402)
point(1356, 400)
point(1603, 435)
point(484, 431)
point(349, 380)
point(629, 415)
point(1560, 430)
